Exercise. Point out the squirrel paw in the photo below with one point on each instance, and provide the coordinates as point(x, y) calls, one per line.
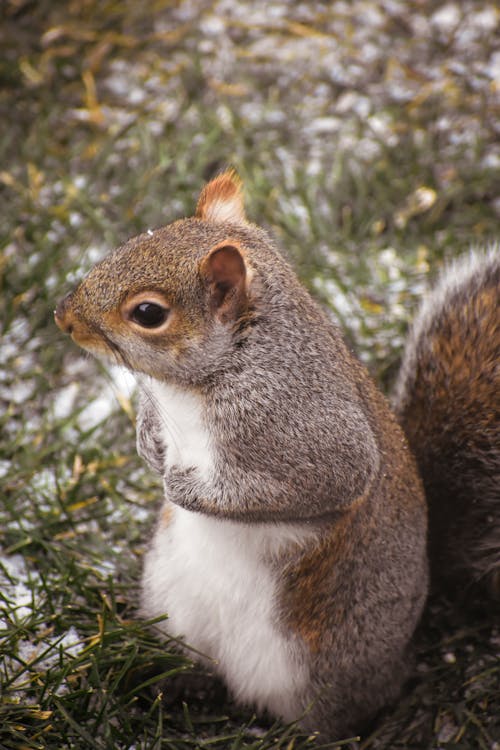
point(182, 487)
point(150, 445)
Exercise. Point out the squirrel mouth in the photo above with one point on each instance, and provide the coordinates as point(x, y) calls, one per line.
point(94, 342)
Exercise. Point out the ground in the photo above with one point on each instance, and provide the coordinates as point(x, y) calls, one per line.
point(367, 135)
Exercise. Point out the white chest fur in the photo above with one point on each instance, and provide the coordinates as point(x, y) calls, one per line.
point(215, 580)
point(184, 434)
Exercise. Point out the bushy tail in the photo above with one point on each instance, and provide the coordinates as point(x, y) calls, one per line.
point(447, 398)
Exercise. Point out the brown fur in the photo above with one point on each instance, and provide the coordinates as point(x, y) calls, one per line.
point(448, 399)
point(224, 190)
point(167, 513)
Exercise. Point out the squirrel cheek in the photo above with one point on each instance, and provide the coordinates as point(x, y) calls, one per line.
point(152, 351)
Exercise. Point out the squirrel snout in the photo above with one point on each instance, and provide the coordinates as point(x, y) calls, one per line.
point(69, 319)
point(63, 316)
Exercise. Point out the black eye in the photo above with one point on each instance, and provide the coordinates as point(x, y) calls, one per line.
point(149, 315)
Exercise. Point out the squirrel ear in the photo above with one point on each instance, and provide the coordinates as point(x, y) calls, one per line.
point(222, 200)
point(224, 273)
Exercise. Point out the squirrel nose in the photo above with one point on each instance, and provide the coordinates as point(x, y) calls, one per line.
point(63, 316)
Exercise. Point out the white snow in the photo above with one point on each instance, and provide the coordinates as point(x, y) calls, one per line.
point(14, 576)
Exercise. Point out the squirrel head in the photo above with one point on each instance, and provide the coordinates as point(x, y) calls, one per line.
point(174, 302)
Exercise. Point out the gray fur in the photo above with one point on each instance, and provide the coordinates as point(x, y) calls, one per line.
point(300, 435)
point(149, 442)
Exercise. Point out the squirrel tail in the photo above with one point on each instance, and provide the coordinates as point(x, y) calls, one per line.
point(447, 398)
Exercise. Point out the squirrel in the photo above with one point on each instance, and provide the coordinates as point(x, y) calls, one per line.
point(291, 548)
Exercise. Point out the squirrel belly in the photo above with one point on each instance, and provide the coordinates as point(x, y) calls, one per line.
point(447, 398)
point(218, 581)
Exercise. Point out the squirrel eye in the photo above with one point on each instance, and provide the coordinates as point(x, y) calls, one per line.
point(149, 315)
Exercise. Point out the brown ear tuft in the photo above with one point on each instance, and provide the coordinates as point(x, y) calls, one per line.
point(224, 272)
point(222, 200)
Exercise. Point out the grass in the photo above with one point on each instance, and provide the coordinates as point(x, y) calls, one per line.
point(370, 171)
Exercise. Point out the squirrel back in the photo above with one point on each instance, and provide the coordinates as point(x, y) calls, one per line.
point(447, 398)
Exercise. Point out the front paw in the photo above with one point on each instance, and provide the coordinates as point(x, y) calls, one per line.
point(182, 487)
point(150, 445)
point(150, 448)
